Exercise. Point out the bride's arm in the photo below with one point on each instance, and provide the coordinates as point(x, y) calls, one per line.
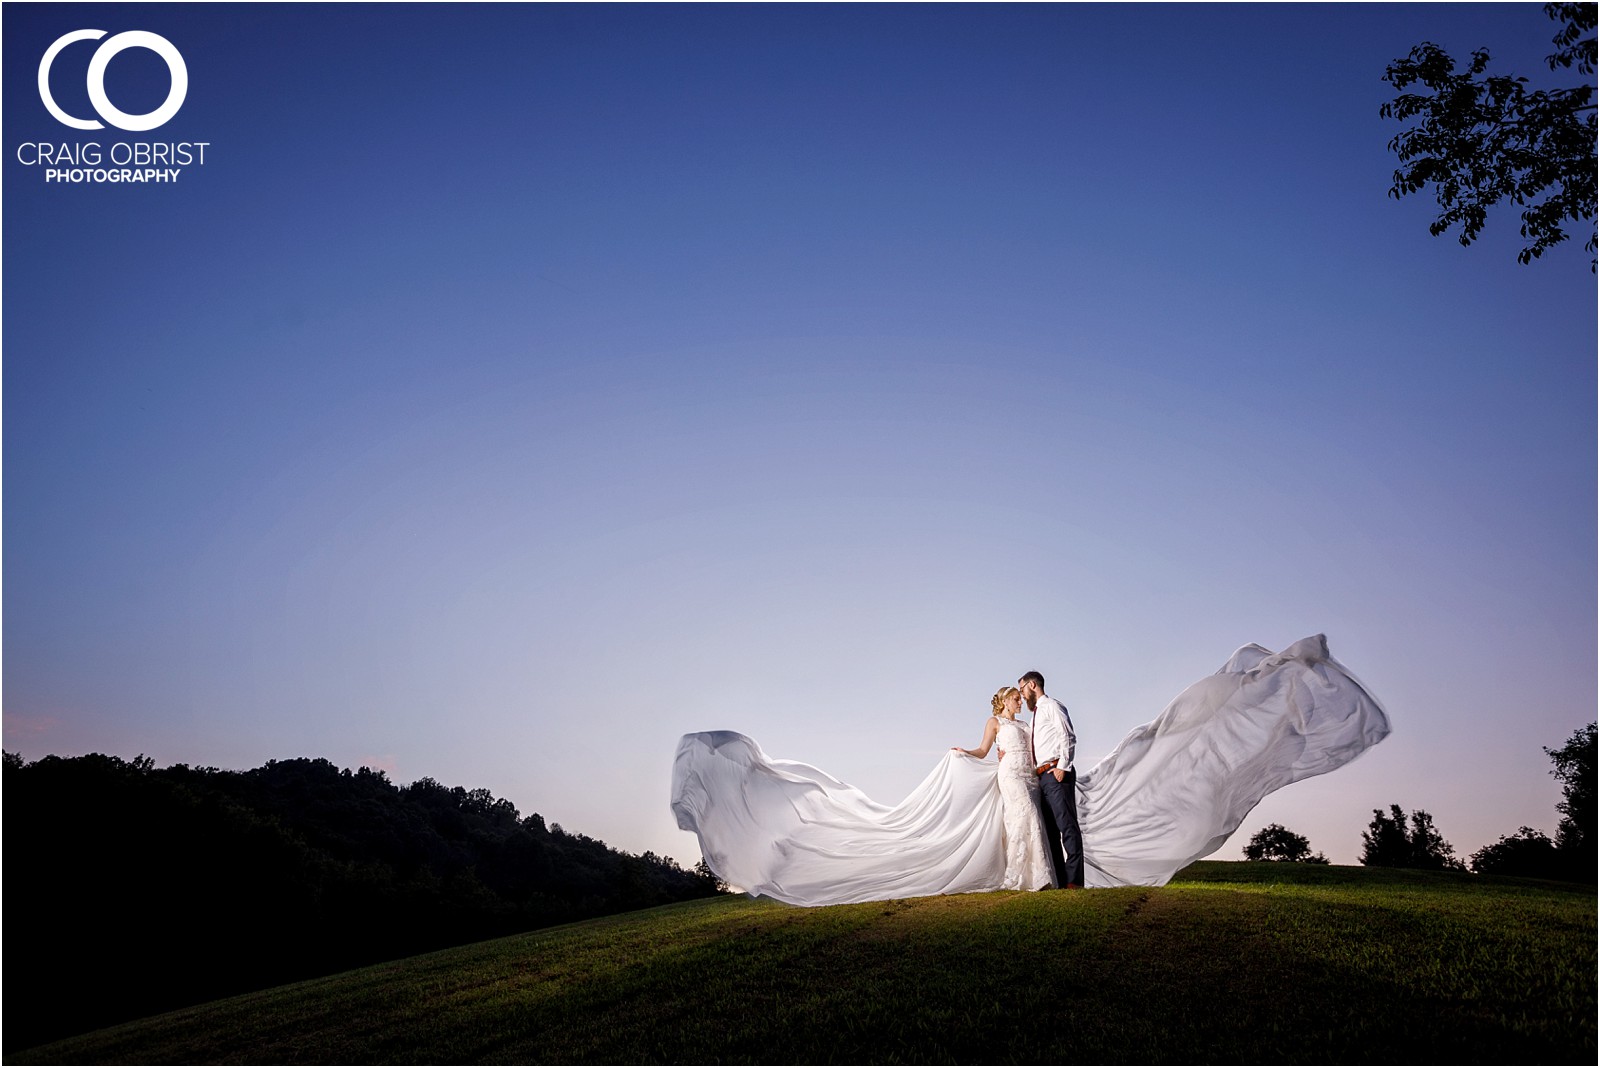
point(982, 751)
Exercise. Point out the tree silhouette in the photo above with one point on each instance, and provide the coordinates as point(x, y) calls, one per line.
point(1384, 843)
point(1387, 843)
point(1277, 842)
point(235, 880)
point(1528, 852)
point(710, 878)
point(1572, 855)
point(1486, 138)
point(1574, 766)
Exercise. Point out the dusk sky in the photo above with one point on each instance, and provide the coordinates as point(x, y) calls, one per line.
point(514, 389)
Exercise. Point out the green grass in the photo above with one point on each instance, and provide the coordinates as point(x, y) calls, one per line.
point(1231, 963)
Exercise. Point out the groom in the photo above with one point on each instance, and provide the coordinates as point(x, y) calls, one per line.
point(1053, 742)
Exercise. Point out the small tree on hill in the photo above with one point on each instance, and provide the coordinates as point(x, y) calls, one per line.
point(1387, 843)
point(1384, 843)
point(1528, 852)
point(1277, 842)
point(1428, 847)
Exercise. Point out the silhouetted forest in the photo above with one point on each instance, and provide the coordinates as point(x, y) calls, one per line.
point(132, 889)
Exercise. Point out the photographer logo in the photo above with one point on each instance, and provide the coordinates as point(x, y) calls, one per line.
point(137, 162)
point(162, 47)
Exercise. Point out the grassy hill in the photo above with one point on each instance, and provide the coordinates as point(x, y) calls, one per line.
point(1231, 962)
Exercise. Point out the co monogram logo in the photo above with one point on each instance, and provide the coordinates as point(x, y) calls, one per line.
point(162, 47)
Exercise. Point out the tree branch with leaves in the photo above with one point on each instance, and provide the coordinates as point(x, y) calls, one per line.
point(1483, 138)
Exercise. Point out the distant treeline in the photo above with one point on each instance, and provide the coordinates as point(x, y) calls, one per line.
point(132, 889)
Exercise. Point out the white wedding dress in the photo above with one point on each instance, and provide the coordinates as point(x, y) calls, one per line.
point(1170, 793)
point(1027, 858)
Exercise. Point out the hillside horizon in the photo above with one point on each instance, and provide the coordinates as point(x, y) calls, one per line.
point(1233, 961)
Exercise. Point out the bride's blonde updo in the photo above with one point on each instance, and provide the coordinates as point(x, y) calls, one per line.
point(1001, 696)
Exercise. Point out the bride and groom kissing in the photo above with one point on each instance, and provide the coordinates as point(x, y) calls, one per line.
point(1172, 791)
point(1038, 786)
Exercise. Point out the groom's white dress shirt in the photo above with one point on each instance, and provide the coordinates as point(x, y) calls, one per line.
point(1052, 733)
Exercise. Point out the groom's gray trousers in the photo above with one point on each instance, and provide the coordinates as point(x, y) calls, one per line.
point(1059, 800)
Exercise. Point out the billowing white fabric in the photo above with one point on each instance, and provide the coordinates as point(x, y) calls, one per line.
point(789, 831)
point(1170, 793)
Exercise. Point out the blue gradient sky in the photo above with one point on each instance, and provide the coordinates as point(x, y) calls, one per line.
point(515, 389)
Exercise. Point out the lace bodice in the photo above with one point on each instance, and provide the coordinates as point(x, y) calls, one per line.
point(1015, 738)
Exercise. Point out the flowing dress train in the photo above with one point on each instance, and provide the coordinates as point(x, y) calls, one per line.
point(1170, 793)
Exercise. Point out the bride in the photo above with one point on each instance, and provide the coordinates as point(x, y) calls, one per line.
point(1171, 792)
point(1028, 865)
